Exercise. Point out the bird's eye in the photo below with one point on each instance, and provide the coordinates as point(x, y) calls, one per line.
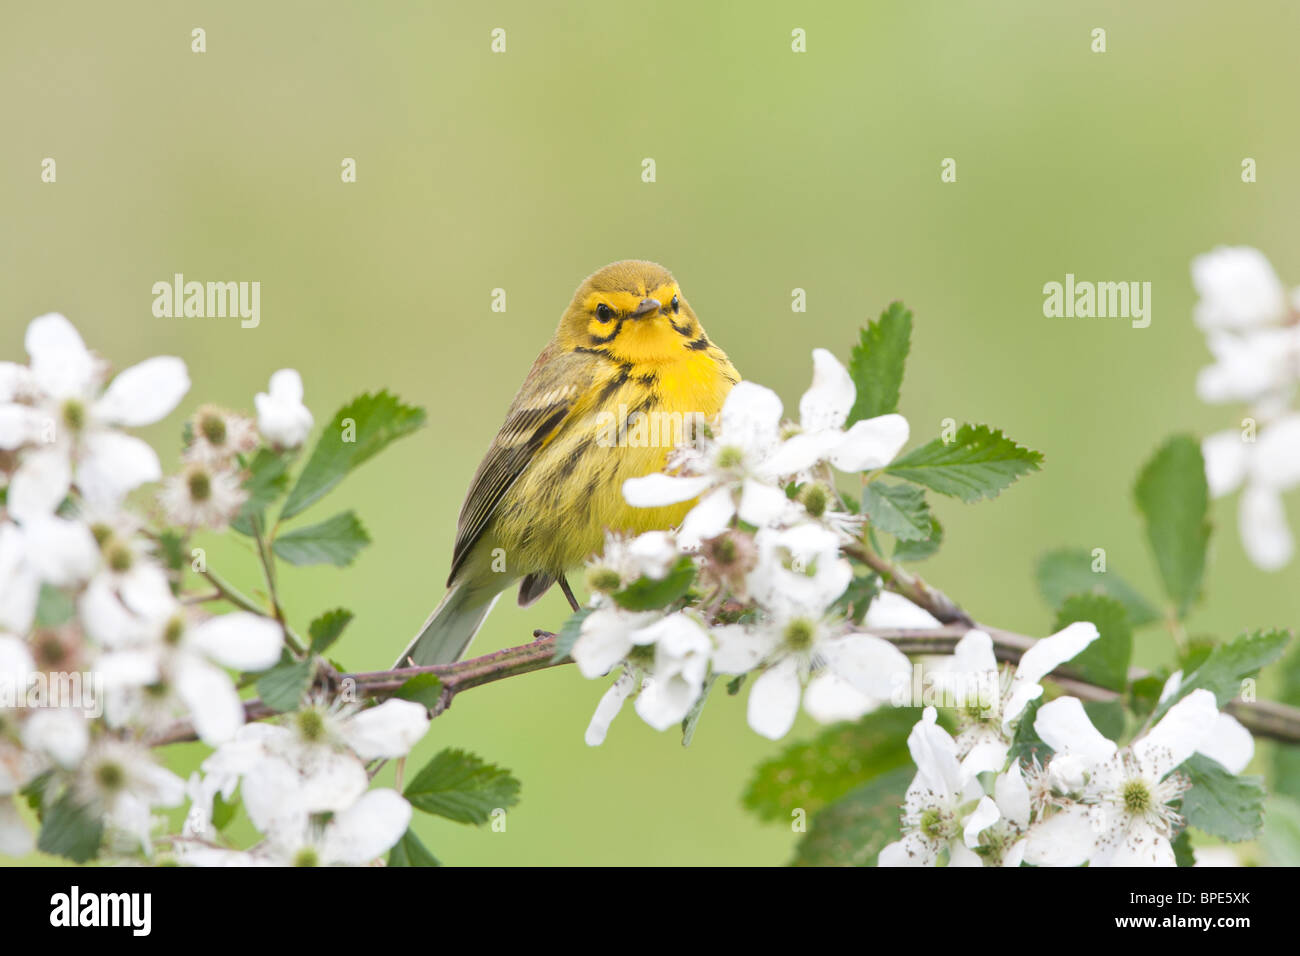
point(675, 304)
point(604, 312)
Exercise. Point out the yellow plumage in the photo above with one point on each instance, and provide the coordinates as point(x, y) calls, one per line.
point(629, 367)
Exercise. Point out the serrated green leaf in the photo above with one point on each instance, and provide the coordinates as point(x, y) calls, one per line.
point(281, 688)
point(268, 477)
point(648, 594)
point(1220, 803)
point(357, 432)
point(1183, 852)
point(569, 633)
point(327, 628)
point(899, 510)
point(1229, 664)
point(811, 774)
point(1026, 745)
point(855, 828)
point(411, 851)
point(857, 597)
point(877, 363)
point(70, 830)
point(461, 787)
point(978, 463)
point(1105, 661)
point(423, 689)
point(920, 550)
point(335, 541)
point(1173, 497)
point(1070, 571)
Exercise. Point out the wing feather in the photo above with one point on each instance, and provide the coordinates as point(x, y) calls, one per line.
point(540, 410)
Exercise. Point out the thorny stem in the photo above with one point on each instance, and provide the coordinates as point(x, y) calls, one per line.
point(1261, 718)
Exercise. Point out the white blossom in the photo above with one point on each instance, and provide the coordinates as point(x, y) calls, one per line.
point(282, 418)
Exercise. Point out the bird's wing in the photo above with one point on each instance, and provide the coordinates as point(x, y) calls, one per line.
point(540, 410)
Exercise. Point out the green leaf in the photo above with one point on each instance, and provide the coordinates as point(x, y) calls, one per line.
point(812, 774)
point(692, 718)
point(1183, 854)
point(978, 463)
point(855, 828)
point(423, 689)
point(1070, 571)
point(877, 362)
point(461, 787)
point(570, 631)
point(54, 608)
point(920, 550)
point(899, 510)
point(857, 597)
point(358, 431)
point(327, 628)
point(1173, 497)
point(223, 811)
point(1222, 804)
point(268, 477)
point(334, 541)
point(1281, 834)
point(1105, 661)
point(171, 546)
point(71, 831)
point(1026, 745)
point(281, 688)
point(1229, 664)
point(410, 851)
point(647, 594)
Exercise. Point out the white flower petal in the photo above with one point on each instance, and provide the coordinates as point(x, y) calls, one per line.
point(738, 649)
point(1238, 289)
point(657, 490)
point(988, 755)
point(774, 699)
point(1178, 735)
point(889, 610)
point(40, 484)
point(603, 642)
point(59, 551)
point(1141, 846)
point(827, 403)
point(1064, 726)
point(281, 417)
point(367, 829)
point(1040, 660)
point(1276, 461)
point(751, 417)
point(973, 656)
point(829, 699)
point(1067, 838)
point(1265, 534)
point(1012, 796)
point(211, 698)
point(935, 754)
point(114, 465)
point(388, 730)
point(62, 366)
point(799, 452)
point(15, 838)
point(762, 505)
point(1229, 743)
point(1226, 456)
point(984, 815)
point(144, 393)
point(58, 732)
point(20, 425)
point(239, 640)
point(871, 443)
point(912, 850)
point(707, 519)
point(611, 702)
point(874, 666)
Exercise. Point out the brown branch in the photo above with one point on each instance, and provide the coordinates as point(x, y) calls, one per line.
point(1262, 718)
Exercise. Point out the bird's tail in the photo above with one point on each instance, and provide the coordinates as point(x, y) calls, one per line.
point(450, 628)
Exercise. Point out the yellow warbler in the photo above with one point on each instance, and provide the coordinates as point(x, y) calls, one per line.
point(628, 351)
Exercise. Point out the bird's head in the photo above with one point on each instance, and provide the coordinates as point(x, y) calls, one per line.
point(634, 311)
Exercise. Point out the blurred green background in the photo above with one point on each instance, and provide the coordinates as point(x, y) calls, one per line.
point(776, 170)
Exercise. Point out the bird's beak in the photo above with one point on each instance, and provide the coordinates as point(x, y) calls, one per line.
point(646, 307)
